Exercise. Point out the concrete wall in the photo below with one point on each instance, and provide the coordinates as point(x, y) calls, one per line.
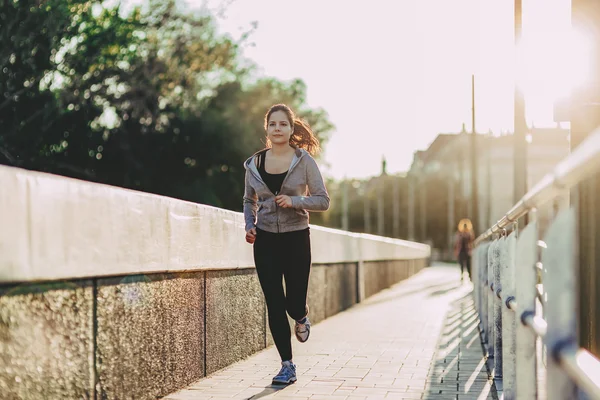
point(112, 294)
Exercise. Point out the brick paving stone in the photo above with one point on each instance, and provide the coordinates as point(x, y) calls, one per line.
point(416, 340)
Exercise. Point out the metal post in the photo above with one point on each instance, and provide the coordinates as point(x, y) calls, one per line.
point(488, 186)
point(526, 258)
point(411, 207)
point(367, 211)
point(475, 265)
point(483, 291)
point(492, 261)
point(360, 272)
point(561, 311)
point(423, 209)
point(465, 207)
point(380, 210)
point(520, 123)
point(451, 227)
point(345, 226)
point(509, 319)
point(396, 207)
point(496, 293)
point(474, 177)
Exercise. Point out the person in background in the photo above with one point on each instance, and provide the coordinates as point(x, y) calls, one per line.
point(462, 247)
point(283, 183)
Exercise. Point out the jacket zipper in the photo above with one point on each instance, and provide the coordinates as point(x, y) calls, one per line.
point(282, 183)
point(277, 211)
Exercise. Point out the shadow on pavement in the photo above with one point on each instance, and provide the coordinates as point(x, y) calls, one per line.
point(445, 290)
point(459, 370)
point(414, 285)
point(409, 289)
point(268, 391)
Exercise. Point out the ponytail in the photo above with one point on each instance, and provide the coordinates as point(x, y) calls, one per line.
point(302, 136)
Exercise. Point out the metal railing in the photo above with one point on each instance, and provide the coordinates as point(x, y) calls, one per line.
point(525, 291)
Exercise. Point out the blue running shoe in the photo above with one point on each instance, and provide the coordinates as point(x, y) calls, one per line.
point(286, 375)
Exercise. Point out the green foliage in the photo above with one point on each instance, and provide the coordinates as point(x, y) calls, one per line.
point(151, 100)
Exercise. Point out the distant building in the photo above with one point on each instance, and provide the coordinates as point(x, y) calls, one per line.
point(448, 156)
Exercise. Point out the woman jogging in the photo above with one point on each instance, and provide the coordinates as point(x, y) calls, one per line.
point(283, 183)
point(462, 247)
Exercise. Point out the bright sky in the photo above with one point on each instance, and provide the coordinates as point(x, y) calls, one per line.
point(394, 74)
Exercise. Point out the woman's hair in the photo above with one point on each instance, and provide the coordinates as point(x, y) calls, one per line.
point(302, 136)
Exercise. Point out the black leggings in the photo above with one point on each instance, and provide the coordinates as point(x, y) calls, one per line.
point(287, 255)
point(465, 263)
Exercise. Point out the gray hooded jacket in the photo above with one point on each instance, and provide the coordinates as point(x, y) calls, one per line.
point(303, 183)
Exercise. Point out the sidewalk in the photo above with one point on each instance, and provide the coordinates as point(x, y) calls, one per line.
point(416, 340)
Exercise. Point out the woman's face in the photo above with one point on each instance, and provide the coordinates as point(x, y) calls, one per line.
point(279, 129)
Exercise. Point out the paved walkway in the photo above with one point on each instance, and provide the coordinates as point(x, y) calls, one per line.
point(416, 340)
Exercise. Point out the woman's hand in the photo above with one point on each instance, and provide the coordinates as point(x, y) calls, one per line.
point(283, 201)
point(251, 235)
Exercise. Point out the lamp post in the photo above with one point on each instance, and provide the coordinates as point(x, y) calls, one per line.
point(451, 179)
point(396, 207)
point(345, 205)
point(423, 204)
point(474, 189)
point(520, 124)
point(380, 206)
point(367, 207)
point(411, 207)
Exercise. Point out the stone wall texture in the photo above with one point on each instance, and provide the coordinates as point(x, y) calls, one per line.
point(149, 329)
point(145, 336)
point(46, 341)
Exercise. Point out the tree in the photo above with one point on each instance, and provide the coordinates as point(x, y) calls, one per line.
point(32, 34)
point(151, 100)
